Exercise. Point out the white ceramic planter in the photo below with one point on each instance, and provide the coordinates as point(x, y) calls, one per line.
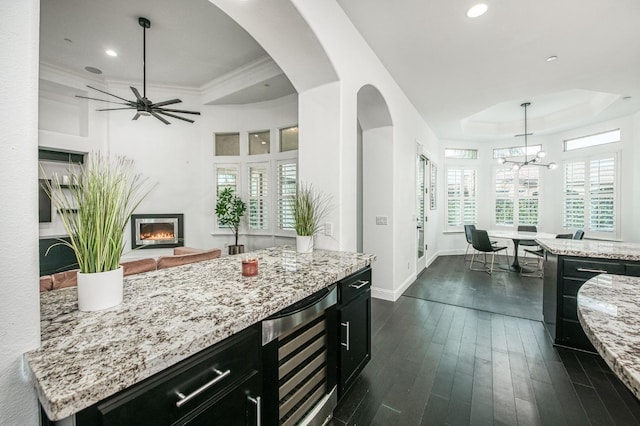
point(100, 290)
point(304, 243)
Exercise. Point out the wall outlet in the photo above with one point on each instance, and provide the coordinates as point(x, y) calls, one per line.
point(381, 220)
point(328, 229)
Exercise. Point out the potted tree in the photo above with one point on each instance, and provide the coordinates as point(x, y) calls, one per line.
point(309, 209)
point(95, 210)
point(230, 209)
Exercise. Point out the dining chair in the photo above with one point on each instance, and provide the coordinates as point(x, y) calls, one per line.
point(539, 272)
point(468, 233)
point(481, 243)
point(527, 228)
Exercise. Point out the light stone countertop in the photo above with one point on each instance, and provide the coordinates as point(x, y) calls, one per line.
point(166, 316)
point(592, 248)
point(609, 311)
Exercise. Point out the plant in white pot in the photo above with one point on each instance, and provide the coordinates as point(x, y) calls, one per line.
point(230, 209)
point(309, 209)
point(95, 210)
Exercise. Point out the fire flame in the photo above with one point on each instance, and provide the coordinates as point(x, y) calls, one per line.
point(160, 235)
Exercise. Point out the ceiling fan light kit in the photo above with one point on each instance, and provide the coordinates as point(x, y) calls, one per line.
point(142, 104)
point(535, 161)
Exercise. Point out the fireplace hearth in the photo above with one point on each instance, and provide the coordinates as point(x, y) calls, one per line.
point(157, 230)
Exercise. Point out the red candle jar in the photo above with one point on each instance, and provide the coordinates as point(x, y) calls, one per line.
point(249, 267)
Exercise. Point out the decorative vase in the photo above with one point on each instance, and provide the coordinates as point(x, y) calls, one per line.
point(304, 243)
point(99, 290)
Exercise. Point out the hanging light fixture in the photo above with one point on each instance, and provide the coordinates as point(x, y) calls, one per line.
point(535, 161)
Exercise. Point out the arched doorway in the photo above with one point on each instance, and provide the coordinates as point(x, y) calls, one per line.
point(375, 223)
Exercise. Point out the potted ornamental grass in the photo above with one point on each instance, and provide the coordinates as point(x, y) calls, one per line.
point(230, 208)
point(95, 206)
point(309, 209)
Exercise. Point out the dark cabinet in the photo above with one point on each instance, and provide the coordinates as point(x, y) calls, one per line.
point(220, 385)
point(354, 322)
point(563, 277)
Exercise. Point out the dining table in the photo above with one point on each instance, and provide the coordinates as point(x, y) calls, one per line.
point(517, 237)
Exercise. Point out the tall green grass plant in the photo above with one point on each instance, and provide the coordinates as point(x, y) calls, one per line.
point(309, 209)
point(96, 208)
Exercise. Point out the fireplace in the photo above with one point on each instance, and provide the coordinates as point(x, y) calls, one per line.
point(157, 230)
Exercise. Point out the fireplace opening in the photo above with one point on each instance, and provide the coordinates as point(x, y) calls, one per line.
point(157, 230)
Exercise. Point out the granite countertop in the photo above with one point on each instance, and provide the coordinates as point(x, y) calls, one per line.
point(167, 315)
point(592, 248)
point(609, 311)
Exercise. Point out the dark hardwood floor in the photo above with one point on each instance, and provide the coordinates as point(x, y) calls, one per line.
point(436, 363)
point(449, 280)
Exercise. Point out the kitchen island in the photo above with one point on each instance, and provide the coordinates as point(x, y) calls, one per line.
point(568, 264)
point(609, 311)
point(167, 316)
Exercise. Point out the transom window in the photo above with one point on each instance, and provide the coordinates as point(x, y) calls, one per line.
point(611, 136)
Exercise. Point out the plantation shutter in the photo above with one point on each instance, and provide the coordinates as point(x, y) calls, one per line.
point(287, 186)
point(574, 195)
point(505, 194)
point(259, 197)
point(226, 177)
point(601, 194)
point(528, 195)
point(461, 197)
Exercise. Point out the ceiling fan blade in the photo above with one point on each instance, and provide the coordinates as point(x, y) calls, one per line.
point(174, 116)
point(135, 92)
point(107, 93)
point(135, 117)
point(103, 100)
point(114, 109)
point(169, 102)
point(182, 111)
point(159, 118)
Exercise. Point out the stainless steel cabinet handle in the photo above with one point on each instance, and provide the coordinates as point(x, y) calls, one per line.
point(346, 325)
point(361, 283)
point(595, 271)
point(184, 399)
point(258, 402)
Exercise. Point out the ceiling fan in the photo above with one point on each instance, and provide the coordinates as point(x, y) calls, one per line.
point(142, 105)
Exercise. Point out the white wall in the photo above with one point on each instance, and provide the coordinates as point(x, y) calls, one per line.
point(551, 180)
point(19, 303)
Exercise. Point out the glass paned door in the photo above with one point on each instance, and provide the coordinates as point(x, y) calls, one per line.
point(422, 185)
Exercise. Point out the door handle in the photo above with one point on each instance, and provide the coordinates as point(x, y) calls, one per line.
point(346, 325)
point(184, 399)
point(258, 403)
point(361, 283)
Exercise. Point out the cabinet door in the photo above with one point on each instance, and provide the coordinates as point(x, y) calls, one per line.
point(239, 407)
point(355, 340)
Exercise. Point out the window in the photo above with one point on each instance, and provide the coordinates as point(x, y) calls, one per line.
point(259, 142)
point(226, 177)
point(289, 139)
point(592, 140)
point(465, 154)
point(287, 187)
point(258, 209)
point(517, 196)
point(461, 197)
point(589, 194)
point(227, 144)
point(516, 151)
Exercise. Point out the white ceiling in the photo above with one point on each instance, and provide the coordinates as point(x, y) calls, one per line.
point(189, 44)
point(466, 77)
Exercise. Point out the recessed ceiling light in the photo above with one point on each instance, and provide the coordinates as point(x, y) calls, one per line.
point(626, 98)
point(68, 40)
point(111, 52)
point(552, 58)
point(477, 10)
point(93, 70)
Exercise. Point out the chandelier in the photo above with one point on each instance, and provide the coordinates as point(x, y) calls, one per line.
point(535, 161)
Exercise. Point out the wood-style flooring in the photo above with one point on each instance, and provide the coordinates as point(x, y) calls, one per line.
point(440, 364)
